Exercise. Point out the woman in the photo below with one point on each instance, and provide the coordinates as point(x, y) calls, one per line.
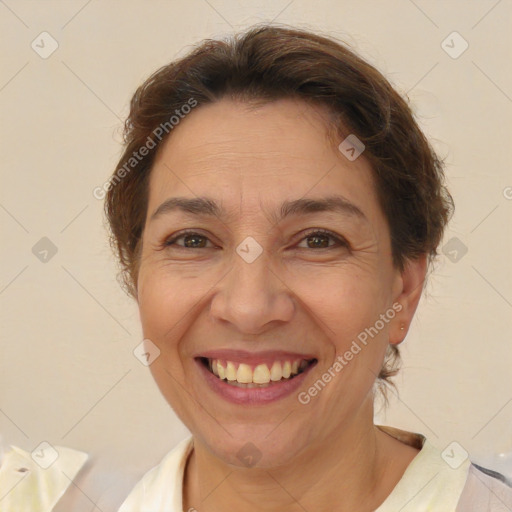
point(275, 213)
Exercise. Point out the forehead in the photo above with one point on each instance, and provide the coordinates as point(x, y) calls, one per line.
point(248, 157)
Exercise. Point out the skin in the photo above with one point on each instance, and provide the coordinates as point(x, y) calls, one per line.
point(294, 297)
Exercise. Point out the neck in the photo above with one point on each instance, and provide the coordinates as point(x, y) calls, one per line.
point(355, 466)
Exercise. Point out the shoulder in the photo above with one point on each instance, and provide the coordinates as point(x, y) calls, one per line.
point(161, 487)
point(485, 490)
point(430, 482)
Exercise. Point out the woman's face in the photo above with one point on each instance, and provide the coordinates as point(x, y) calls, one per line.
point(250, 288)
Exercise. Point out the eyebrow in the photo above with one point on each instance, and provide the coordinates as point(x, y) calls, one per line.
point(205, 206)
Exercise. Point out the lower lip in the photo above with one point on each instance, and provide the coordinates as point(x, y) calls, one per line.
point(253, 396)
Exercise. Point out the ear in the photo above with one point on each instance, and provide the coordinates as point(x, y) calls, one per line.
point(408, 290)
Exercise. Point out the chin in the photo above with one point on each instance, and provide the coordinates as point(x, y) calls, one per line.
point(254, 446)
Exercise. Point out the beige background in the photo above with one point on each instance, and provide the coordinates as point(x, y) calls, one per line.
point(67, 372)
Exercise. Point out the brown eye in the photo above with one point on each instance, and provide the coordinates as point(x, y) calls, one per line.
point(320, 239)
point(192, 240)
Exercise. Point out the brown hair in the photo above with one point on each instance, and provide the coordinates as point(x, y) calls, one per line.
point(267, 63)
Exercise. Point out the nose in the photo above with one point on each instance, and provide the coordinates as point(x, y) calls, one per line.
point(252, 296)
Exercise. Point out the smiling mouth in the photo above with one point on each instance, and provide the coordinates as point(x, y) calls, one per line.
point(256, 376)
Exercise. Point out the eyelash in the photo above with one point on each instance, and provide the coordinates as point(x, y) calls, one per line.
point(340, 241)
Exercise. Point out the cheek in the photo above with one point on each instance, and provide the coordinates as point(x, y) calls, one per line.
point(160, 310)
point(169, 301)
point(347, 304)
point(344, 298)
point(161, 305)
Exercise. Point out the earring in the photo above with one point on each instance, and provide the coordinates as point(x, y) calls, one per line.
point(402, 327)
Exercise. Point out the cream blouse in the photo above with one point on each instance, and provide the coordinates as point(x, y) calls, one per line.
point(433, 482)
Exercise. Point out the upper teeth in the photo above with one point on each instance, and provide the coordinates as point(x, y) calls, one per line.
point(261, 374)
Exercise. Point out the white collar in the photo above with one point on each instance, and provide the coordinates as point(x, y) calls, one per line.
point(428, 483)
